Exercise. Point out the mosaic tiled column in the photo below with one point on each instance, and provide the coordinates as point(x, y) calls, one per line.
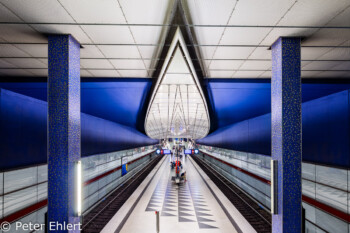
point(286, 133)
point(63, 130)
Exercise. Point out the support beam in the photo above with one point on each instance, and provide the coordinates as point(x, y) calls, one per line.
point(63, 131)
point(286, 133)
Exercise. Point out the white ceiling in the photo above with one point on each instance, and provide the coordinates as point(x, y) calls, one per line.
point(235, 37)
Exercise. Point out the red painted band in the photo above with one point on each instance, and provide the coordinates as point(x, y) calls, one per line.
point(30, 209)
point(333, 211)
point(23, 212)
point(111, 171)
point(241, 170)
point(324, 207)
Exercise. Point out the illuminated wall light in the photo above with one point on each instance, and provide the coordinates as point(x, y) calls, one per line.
point(78, 184)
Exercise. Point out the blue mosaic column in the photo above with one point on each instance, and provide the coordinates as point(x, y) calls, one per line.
point(286, 133)
point(63, 130)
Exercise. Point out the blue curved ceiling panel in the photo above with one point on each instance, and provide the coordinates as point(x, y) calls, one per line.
point(23, 130)
point(117, 100)
point(238, 100)
point(326, 134)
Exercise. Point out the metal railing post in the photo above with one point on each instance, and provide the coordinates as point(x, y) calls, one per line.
point(157, 222)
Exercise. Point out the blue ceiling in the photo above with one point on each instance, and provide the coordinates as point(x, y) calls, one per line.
point(117, 100)
point(125, 100)
point(237, 100)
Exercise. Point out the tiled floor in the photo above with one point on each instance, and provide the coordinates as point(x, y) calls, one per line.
point(186, 208)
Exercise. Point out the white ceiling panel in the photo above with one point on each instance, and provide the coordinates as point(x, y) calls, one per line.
point(148, 64)
point(256, 65)
point(90, 51)
point(15, 72)
point(252, 12)
point(313, 12)
point(146, 35)
point(207, 52)
point(104, 73)
point(219, 12)
point(75, 31)
point(328, 37)
point(261, 53)
point(35, 50)
point(20, 33)
point(210, 12)
point(244, 36)
point(134, 73)
point(7, 50)
point(286, 32)
point(220, 74)
point(43, 61)
point(39, 72)
point(7, 16)
point(95, 63)
point(247, 74)
point(147, 51)
point(111, 51)
point(209, 35)
point(94, 11)
point(337, 54)
point(341, 20)
point(206, 64)
point(346, 75)
point(109, 34)
point(6, 64)
point(233, 52)
point(266, 74)
point(304, 63)
point(331, 74)
point(342, 66)
point(128, 64)
point(39, 11)
point(312, 53)
point(26, 62)
point(225, 64)
point(309, 74)
point(145, 12)
point(320, 65)
point(86, 74)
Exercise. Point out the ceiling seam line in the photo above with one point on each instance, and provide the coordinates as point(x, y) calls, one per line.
point(133, 37)
point(338, 44)
point(288, 10)
point(223, 32)
point(20, 18)
point(88, 36)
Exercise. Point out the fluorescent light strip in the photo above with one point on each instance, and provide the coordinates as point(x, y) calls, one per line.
point(78, 187)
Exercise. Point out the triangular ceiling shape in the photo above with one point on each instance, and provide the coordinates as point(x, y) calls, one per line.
point(177, 108)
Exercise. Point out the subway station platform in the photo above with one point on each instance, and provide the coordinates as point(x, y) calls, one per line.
point(192, 206)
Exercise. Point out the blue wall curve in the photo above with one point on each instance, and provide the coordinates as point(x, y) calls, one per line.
point(23, 130)
point(325, 132)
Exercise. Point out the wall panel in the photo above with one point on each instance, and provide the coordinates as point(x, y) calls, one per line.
point(23, 129)
point(326, 132)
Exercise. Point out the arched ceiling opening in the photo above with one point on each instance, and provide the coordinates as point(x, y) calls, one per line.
point(178, 108)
